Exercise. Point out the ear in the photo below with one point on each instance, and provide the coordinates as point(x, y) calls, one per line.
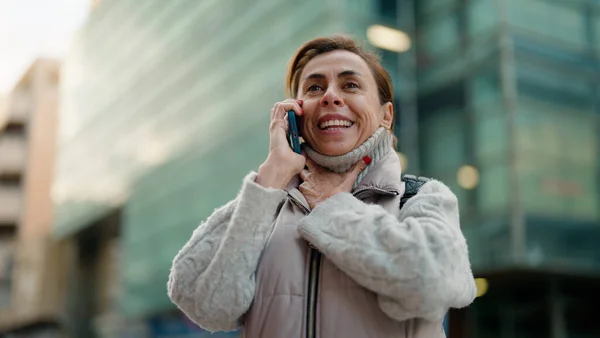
point(387, 115)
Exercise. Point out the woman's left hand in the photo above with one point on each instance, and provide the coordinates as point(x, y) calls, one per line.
point(319, 183)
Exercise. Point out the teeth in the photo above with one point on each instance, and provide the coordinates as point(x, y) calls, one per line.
point(335, 123)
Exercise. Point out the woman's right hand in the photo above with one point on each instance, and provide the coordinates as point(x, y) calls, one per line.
point(282, 163)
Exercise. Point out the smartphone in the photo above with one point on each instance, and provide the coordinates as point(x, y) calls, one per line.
point(293, 135)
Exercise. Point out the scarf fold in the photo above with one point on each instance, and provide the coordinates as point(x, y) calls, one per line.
point(375, 147)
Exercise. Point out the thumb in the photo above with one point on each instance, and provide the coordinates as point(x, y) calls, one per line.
point(358, 167)
point(361, 165)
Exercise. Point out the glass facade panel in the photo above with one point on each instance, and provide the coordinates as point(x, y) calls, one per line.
point(488, 114)
point(482, 16)
point(493, 191)
point(596, 28)
point(557, 20)
point(387, 9)
point(491, 135)
point(557, 160)
point(442, 148)
point(557, 142)
point(445, 151)
point(489, 242)
point(560, 243)
point(490, 148)
point(439, 34)
point(432, 6)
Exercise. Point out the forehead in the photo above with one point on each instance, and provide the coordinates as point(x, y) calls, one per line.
point(335, 62)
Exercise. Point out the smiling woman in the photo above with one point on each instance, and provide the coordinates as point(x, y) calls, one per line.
point(316, 244)
point(339, 86)
point(365, 72)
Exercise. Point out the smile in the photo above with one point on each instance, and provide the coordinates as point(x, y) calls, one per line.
point(335, 124)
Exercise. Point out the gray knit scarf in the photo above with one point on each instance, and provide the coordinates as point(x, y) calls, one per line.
point(375, 147)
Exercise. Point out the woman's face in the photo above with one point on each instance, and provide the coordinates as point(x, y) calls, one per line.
point(341, 103)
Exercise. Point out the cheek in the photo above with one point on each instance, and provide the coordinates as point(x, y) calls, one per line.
point(373, 113)
point(304, 121)
point(368, 116)
point(309, 111)
point(364, 109)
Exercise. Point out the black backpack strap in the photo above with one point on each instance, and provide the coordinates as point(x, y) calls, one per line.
point(412, 185)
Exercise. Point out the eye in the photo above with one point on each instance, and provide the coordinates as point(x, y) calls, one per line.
point(351, 85)
point(314, 88)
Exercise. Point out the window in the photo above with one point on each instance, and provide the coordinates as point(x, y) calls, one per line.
point(439, 34)
point(388, 9)
point(482, 16)
point(427, 7)
point(442, 130)
point(443, 149)
point(596, 28)
point(552, 19)
point(557, 142)
point(489, 117)
point(443, 146)
point(494, 189)
point(557, 159)
point(444, 135)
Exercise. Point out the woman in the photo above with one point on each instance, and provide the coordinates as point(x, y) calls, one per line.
point(315, 245)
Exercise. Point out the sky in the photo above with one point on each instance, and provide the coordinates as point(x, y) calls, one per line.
point(35, 28)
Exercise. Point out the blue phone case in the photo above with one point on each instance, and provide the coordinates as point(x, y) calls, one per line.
point(293, 135)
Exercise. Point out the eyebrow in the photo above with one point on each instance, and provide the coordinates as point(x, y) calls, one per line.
point(345, 73)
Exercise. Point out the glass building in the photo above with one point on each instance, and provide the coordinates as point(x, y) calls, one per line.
point(165, 108)
point(509, 117)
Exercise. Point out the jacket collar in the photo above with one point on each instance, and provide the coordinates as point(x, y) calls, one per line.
point(383, 178)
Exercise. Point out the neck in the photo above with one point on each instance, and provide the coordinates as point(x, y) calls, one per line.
point(375, 147)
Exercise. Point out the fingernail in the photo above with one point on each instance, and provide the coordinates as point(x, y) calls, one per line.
point(300, 102)
point(367, 160)
point(302, 110)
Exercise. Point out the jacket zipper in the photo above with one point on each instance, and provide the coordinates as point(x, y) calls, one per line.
point(315, 264)
point(313, 274)
point(313, 291)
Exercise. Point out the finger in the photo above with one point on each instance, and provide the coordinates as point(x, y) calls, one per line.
point(286, 125)
point(279, 116)
point(282, 108)
point(308, 190)
point(279, 125)
point(297, 105)
point(286, 105)
point(300, 102)
point(361, 165)
point(310, 164)
point(303, 189)
point(357, 169)
point(304, 175)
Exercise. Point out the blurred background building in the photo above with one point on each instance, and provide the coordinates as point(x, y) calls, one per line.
point(509, 116)
point(31, 269)
point(164, 108)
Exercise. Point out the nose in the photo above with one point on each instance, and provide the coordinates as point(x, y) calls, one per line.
point(331, 97)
